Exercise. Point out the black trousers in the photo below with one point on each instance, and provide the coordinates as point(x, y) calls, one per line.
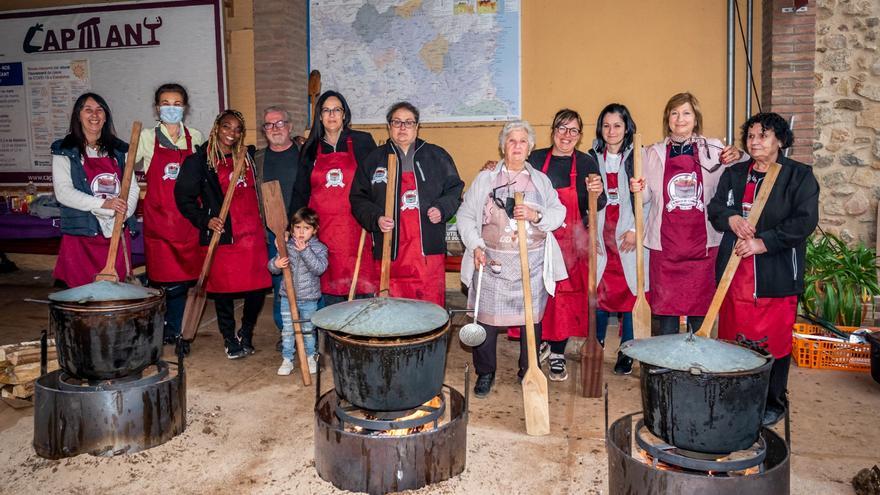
point(225, 306)
point(175, 303)
point(669, 324)
point(778, 384)
point(485, 357)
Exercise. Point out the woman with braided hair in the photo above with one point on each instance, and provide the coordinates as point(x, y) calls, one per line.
point(238, 270)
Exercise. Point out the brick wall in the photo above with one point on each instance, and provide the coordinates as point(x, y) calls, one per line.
point(788, 56)
point(280, 59)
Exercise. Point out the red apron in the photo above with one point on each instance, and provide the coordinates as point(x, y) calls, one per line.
point(742, 312)
point(567, 313)
point(331, 181)
point(240, 266)
point(413, 274)
point(80, 258)
point(171, 242)
point(682, 272)
point(613, 292)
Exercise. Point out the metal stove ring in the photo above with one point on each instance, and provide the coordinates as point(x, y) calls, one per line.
point(663, 452)
point(434, 414)
point(68, 383)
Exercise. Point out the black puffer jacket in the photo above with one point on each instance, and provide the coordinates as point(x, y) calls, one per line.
point(438, 185)
point(789, 217)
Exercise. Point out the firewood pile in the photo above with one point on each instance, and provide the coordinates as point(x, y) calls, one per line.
point(20, 367)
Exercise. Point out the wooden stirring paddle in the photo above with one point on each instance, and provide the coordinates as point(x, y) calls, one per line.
point(390, 202)
point(641, 311)
point(108, 273)
point(592, 353)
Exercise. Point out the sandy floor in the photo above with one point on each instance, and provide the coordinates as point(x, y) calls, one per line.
point(250, 431)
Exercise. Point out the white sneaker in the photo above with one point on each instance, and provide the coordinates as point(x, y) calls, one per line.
point(285, 368)
point(313, 363)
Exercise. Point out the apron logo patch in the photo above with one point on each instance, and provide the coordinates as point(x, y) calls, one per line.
point(334, 178)
point(380, 175)
point(685, 192)
point(409, 200)
point(105, 186)
point(613, 197)
point(171, 171)
point(242, 180)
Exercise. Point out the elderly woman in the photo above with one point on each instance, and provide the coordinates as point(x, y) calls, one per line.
point(487, 224)
point(239, 265)
point(428, 192)
point(330, 159)
point(761, 303)
point(170, 241)
point(87, 167)
point(616, 271)
point(681, 174)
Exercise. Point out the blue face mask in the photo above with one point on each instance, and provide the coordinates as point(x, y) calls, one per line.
point(171, 114)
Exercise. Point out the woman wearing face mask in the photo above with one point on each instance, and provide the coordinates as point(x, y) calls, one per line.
point(681, 174)
point(239, 265)
point(428, 192)
point(87, 167)
point(170, 241)
point(331, 155)
point(567, 168)
point(616, 272)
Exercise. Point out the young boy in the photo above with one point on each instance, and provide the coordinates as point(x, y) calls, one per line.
point(307, 258)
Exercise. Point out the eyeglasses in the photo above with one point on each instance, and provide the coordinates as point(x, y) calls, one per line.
point(505, 204)
point(277, 125)
point(408, 124)
point(571, 131)
point(329, 111)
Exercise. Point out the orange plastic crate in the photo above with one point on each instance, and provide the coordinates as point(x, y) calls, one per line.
point(825, 355)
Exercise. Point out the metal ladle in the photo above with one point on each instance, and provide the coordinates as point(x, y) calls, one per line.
point(473, 334)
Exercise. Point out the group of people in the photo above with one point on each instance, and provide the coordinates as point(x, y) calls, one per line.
point(696, 195)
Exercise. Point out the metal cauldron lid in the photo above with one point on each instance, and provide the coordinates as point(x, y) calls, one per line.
point(685, 352)
point(104, 291)
point(381, 317)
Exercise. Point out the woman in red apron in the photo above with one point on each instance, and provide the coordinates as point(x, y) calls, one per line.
point(761, 304)
point(87, 168)
point(681, 174)
point(567, 313)
point(171, 242)
point(428, 190)
point(616, 273)
point(334, 151)
point(238, 269)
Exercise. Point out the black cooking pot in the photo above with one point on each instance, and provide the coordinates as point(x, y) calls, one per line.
point(102, 338)
point(388, 354)
point(713, 403)
point(874, 339)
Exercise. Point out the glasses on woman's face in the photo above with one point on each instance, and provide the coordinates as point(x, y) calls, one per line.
point(331, 111)
point(406, 124)
point(570, 131)
point(277, 125)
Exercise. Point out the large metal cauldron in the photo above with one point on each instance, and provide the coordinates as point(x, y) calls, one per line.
point(389, 354)
point(700, 394)
point(107, 330)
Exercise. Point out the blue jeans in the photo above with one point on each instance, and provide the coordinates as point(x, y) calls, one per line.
point(288, 343)
point(276, 285)
point(625, 320)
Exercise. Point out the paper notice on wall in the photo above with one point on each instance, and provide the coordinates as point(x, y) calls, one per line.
point(52, 88)
point(14, 150)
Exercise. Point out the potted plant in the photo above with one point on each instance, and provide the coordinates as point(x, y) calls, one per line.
point(838, 279)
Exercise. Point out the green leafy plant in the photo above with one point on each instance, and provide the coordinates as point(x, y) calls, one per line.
point(838, 279)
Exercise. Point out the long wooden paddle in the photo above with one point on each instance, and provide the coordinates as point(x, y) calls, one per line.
point(592, 353)
point(108, 273)
point(195, 300)
point(276, 220)
point(641, 311)
point(536, 399)
point(390, 190)
point(733, 262)
point(357, 265)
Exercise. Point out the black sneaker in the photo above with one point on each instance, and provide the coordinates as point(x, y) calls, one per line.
point(234, 350)
point(484, 385)
point(558, 372)
point(624, 365)
point(246, 341)
point(772, 415)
